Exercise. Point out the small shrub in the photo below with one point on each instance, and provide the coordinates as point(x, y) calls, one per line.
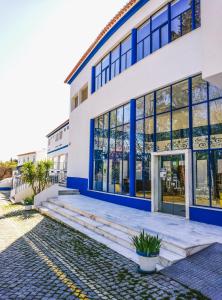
point(29, 201)
point(147, 244)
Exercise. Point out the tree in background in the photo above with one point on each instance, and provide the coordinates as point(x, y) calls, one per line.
point(36, 175)
point(6, 168)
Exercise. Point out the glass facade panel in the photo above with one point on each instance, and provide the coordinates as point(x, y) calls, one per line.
point(180, 95)
point(200, 126)
point(140, 108)
point(149, 105)
point(163, 132)
point(199, 89)
point(216, 178)
point(163, 98)
point(201, 178)
point(216, 124)
point(180, 129)
point(214, 92)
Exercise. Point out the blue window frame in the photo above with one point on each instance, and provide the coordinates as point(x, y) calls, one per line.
point(115, 62)
point(98, 76)
point(159, 29)
point(126, 53)
point(143, 41)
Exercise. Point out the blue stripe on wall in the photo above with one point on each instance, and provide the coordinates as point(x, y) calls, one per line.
point(204, 215)
point(132, 162)
point(118, 24)
point(91, 153)
point(5, 188)
point(82, 185)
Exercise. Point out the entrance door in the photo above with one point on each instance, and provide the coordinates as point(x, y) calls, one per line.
point(172, 184)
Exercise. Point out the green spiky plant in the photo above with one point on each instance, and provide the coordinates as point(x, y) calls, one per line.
point(146, 244)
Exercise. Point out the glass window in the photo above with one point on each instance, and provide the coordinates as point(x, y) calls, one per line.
point(179, 6)
point(148, 139)
point(140, 108)
point(105, 69)
point(187, 22)
point(143, 40)
point(115, 62)
point(126, 150)
point(126, 53)
point(163, 132)
point(119, 116)
point(197, 13)
point(216, 178)
point(199, 89)
point(143, 31)
point(216, 123)
point(201, 178)
point(180, 94)
point(163, 100)
point(149, 101)
point(160, 18)
point(126, 113)
point(164, 35)
point(113, 118)
point(214, 92)
point(176, 29)
point(155, 40)
point(160, 29)
point(200, 126)
point(180, 129)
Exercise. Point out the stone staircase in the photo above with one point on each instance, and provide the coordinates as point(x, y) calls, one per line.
point(117, 237)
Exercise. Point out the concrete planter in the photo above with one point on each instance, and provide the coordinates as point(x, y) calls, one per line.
point(147, 264)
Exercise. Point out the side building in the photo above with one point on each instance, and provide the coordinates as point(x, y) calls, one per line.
point(58, 142)
point(146, 110)
point(33, 156)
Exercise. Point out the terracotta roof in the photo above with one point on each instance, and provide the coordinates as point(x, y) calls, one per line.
point(58, 128)
point(118, 16)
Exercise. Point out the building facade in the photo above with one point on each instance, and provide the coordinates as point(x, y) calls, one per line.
point(33, 156)
point(58, 142)
point(146, 110)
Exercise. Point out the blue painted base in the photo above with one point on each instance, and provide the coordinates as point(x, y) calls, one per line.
point(82, 185)
point(5, 188)
point(204, 215)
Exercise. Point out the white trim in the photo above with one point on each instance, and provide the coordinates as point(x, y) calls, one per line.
point(155, 182)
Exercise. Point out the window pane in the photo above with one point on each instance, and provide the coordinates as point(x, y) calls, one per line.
point(140, 51)
point(113, 118)
point(119, 116)
point(163, 132)
point(200, 126)
point(149, 101)
point(186, 22)
point(147, 176)
point(146, 45)
point(164, 35)
point(216, 124)
point(140, 108)
point(115, 54)
point(139, 177)
point(98, 69)
point(139, 137)
point(214, 92)
point(105, 62)
point(179, 6)
point(126, 45)
point(216, 178)
point(159, 18)
point(180, 94)
point(199, 89)
point(126, 113)
point(163, 100)
point(148, 135)
point(180, 129)
point(143, 31)
point(175, 29)
point(201, 182)
point(98, 182)
point(126, 149)
point(115, 68)
point(197, 14)
point(156, 40)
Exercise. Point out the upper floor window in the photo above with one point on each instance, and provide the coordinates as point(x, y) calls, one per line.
point(105, 70)
point(84, 93)
point(74, 102)
point(115, 62)
point(160, 29)
point(143, 40)
point(126, 53)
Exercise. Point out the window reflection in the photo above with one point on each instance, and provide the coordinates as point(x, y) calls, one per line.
point(163, 98)
point(163, 132)
point(216, 124)
point(180, 129)
point(216, 178)
point(200, 126)
point(199, 89)
point(180, 94)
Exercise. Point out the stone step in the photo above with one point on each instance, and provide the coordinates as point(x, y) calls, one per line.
point(176, 246)
point(68, 192)
point(166, 257)
point(110, 233)
point(110, 244)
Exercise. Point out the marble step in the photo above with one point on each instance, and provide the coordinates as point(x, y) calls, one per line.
point(112, 234)
point(68, 192)
point(176, 246)
point(110, 244)
point(166, 257)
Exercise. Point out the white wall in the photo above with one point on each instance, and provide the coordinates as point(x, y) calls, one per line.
point(61, 142)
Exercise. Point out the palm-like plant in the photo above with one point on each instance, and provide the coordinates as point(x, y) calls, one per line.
point(36, 175)
point(146, 244)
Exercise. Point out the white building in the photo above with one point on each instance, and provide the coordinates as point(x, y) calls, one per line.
point(33, 156)
point(146, 110)
point(58, 142)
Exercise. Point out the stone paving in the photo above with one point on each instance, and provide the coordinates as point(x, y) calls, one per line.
point(43, 259)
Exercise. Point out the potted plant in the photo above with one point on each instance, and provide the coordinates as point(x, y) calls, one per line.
point(28, 203)
point(148, 249)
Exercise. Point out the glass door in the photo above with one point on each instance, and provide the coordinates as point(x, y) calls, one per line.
point(172, 184)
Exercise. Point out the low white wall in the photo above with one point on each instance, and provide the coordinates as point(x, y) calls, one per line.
point(6, 183)
point(20, 196)
point(52, 191)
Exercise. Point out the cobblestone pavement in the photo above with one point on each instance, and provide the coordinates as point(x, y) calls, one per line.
point(43, 259)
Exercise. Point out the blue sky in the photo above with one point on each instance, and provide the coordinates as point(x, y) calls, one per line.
point(40, 41)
